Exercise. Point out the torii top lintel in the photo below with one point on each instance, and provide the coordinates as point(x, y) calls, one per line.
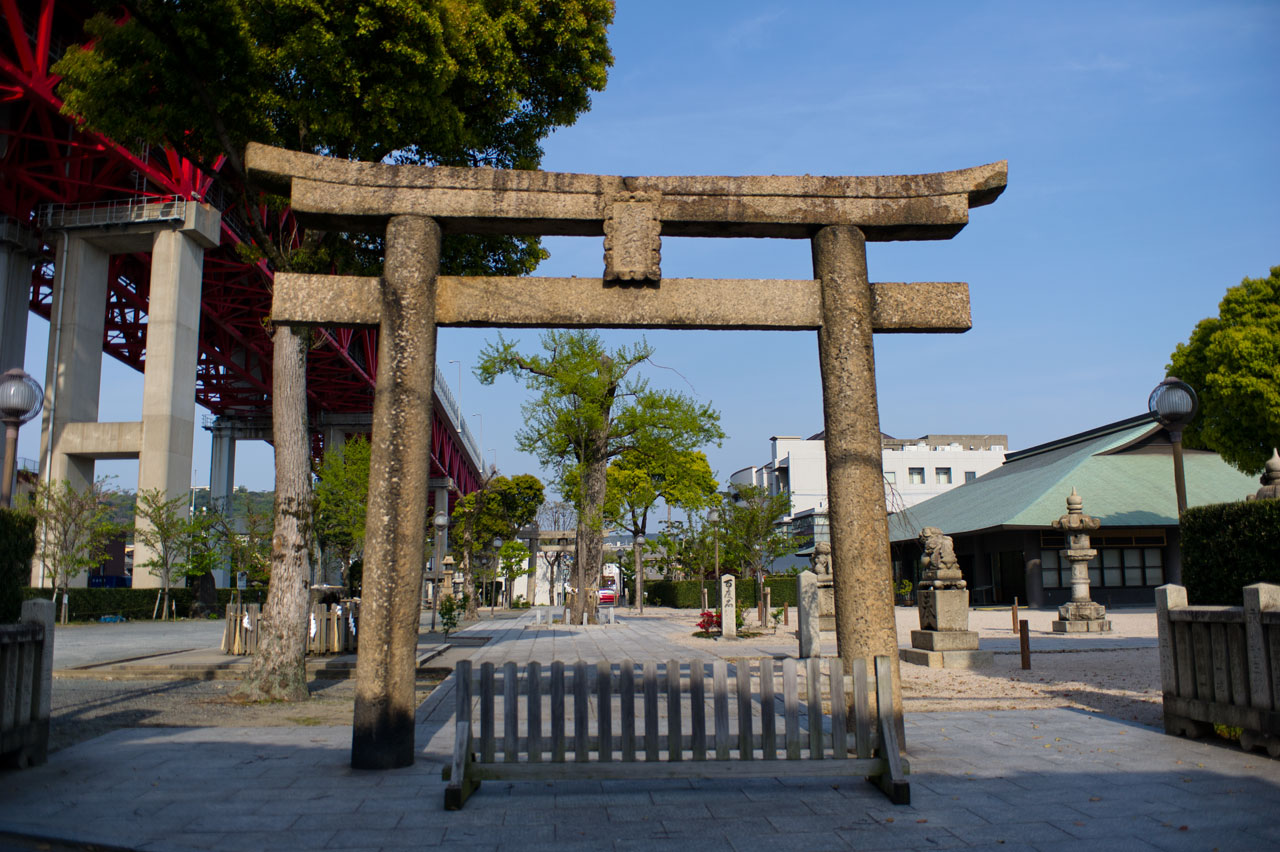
point(633, 214)
point(354, 196)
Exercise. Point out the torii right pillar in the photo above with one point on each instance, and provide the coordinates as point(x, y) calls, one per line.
point(860, 559)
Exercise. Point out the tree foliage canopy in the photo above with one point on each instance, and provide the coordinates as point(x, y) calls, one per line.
point(437, 82)
point(591, 408)
point(499, 509)
point(638, 480)
point(752, 536)
point(1233, 362)
point(341, 495)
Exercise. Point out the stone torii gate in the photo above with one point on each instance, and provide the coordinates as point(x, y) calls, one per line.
point(413, 205)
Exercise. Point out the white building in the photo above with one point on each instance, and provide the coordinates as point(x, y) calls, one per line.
point(915, 469)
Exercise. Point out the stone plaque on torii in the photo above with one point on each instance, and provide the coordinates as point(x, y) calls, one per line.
point(414, 205)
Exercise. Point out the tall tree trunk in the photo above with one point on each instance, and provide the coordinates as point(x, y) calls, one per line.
point(278, 671)
point(468, 581)
point(591, 530)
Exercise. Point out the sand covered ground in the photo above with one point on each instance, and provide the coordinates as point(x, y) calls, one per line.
point(1116, 673)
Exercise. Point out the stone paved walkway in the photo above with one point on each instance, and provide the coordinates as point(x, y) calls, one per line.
point(1016, 780)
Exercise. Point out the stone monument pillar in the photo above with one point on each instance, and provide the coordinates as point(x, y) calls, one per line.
point(944, 639)
point(1080, 615)
point(807, 596)
point(728, 607)
point(826, 586)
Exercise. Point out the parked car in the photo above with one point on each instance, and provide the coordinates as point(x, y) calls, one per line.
point(608, 593)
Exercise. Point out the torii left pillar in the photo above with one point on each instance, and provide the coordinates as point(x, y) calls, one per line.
point(386, 676)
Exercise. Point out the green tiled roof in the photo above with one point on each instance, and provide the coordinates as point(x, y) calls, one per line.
point(1122, 488)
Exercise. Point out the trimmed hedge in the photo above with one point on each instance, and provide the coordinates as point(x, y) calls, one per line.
point(134, 604)
point(687, 594)
point(1228, 546)
point(17, 544)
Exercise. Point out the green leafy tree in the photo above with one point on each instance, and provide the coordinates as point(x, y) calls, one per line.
point(501, 506)
point(753, 538)
point(638, 479)
point(342, 491)
point(164, 531)
point(245, 529)
point(1233, 362)
point(589, 409)
point(513, 557)
point(205, 551)
point(73, 529)
point(557, 515)
point(461, 83)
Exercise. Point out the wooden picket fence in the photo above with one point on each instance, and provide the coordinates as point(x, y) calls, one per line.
point(331, 628)
point(565, 726)
point(26, 678)
point(1220, 665)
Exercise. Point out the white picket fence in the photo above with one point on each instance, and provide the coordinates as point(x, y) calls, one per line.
point(26, 676)
point(661, 720)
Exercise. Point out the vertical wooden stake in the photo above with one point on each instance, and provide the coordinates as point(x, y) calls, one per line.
point(1015, 614)
point(1024, 636)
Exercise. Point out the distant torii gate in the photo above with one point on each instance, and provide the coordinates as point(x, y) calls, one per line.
point(413, 205)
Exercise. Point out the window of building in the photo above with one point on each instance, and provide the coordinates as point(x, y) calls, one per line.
point(891, 477)
point(970, 475)
point(1113, 567)
point(942, 475)
point(915, 475)
point(1050, 575)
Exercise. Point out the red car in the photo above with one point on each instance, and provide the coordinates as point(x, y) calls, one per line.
point(608, 594)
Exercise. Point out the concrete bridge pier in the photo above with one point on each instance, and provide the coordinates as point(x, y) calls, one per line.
point(19, 251)
point(72, 439)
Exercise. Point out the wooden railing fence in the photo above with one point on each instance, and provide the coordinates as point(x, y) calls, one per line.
point(1220, 665)
point(26, 676)
point(672, 719)
point(331, 628)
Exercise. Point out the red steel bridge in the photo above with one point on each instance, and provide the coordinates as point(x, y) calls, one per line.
point(50, 168)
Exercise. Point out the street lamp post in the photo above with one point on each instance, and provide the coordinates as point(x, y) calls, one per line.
point(1174, 404)
point(713, 515)
point(639, 560)
point(441, 521)
point(20, 400)
point(459, 397)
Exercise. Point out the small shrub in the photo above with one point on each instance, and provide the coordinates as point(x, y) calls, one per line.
point(17, 544)
point(451, 610)
point(709, 622)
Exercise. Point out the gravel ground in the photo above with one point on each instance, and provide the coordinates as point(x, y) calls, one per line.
point(1121, 682)
point(84, 709)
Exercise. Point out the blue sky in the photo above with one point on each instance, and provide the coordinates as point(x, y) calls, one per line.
point(1143, 142)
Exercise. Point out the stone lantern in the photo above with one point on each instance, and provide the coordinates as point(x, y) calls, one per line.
point(1080, 614)
point(1270, 489)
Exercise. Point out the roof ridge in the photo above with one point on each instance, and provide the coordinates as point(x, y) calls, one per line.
point(1081, 437)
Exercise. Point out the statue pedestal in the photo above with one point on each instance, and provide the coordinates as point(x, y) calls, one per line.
point(945, 640)
point(1082, 617)
point(943, 609)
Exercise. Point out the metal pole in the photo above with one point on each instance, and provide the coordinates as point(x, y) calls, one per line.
point(636, 546)
point(10, 461)
point(1179, 478)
